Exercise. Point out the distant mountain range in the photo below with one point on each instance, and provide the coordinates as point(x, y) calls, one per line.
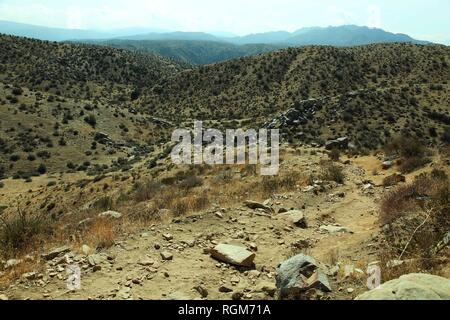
point(61, 34)
point(199, 48)
point(348, 35)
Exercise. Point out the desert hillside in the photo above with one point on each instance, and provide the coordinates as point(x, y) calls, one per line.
point(86, 177)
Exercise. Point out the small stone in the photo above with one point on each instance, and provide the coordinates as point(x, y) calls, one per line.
point(350, 290)
point(387, 164)
point(146, 261)
point(225, 289)
point(167, 236)
point(167, 256)
point(237, 296)
point(12, 263)
point(202, 291)
point(86, 250)
point(110, 215)
point(335, 229)
point(296, 217)
point(94, 260)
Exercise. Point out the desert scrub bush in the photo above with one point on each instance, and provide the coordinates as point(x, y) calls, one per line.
point(21, 230)
point(413, 153)
point(146, 190)
point(104, 203)
point(417, 216)
point(332, 172)
point(191, 182)
point(334, 155)
point(2, 184)
point(283, 181)
point(408, 165)
point(406, 147)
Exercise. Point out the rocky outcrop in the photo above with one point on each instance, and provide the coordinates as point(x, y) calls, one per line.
point(413, 286)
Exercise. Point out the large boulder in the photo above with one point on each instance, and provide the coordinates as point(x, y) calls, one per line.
point(234, 255)
point(415, 286)
point(340, 143)
point(300, 274)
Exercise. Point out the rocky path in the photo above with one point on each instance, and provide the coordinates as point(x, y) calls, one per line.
point(172, 260)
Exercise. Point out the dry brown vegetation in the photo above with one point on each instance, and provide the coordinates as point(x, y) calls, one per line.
point(415, 218)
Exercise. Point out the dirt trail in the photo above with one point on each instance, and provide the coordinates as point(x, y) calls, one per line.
point(134, 268)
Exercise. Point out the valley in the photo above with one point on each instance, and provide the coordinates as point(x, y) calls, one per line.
point(86, 177)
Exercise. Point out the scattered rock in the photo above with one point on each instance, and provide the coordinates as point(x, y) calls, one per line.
point(202, 291)
point(237, 296)
point(296, 217)
point(86, 250)
point(111, 215)
point(334, 229)
point(146, 262)
point(30, 276)
point(56, 252)
point(167, 236)
point(167, 256)
point(413, 286)
point(234, 255)
point(225, 289)
point(387, 165)
point(256, 205)
point(269, 288)
point(95, 260)
point(12, 263)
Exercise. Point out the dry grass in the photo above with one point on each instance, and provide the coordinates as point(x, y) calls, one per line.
point(415, 218)
point(100, 234)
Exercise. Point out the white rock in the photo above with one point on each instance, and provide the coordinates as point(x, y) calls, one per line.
point(413, 286)
point(110, 214)
point(234, 255)
point(334, 229)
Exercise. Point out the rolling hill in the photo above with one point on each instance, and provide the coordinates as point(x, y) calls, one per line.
point(190, 52)
point(384, 87)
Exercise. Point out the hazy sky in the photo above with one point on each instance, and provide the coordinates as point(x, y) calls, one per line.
point(423, 19)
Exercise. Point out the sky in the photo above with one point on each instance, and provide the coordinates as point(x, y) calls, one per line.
point(422, 19)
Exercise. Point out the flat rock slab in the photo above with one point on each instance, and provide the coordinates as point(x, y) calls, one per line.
point(56, 252)
point(414, 286)
point(234, 255)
